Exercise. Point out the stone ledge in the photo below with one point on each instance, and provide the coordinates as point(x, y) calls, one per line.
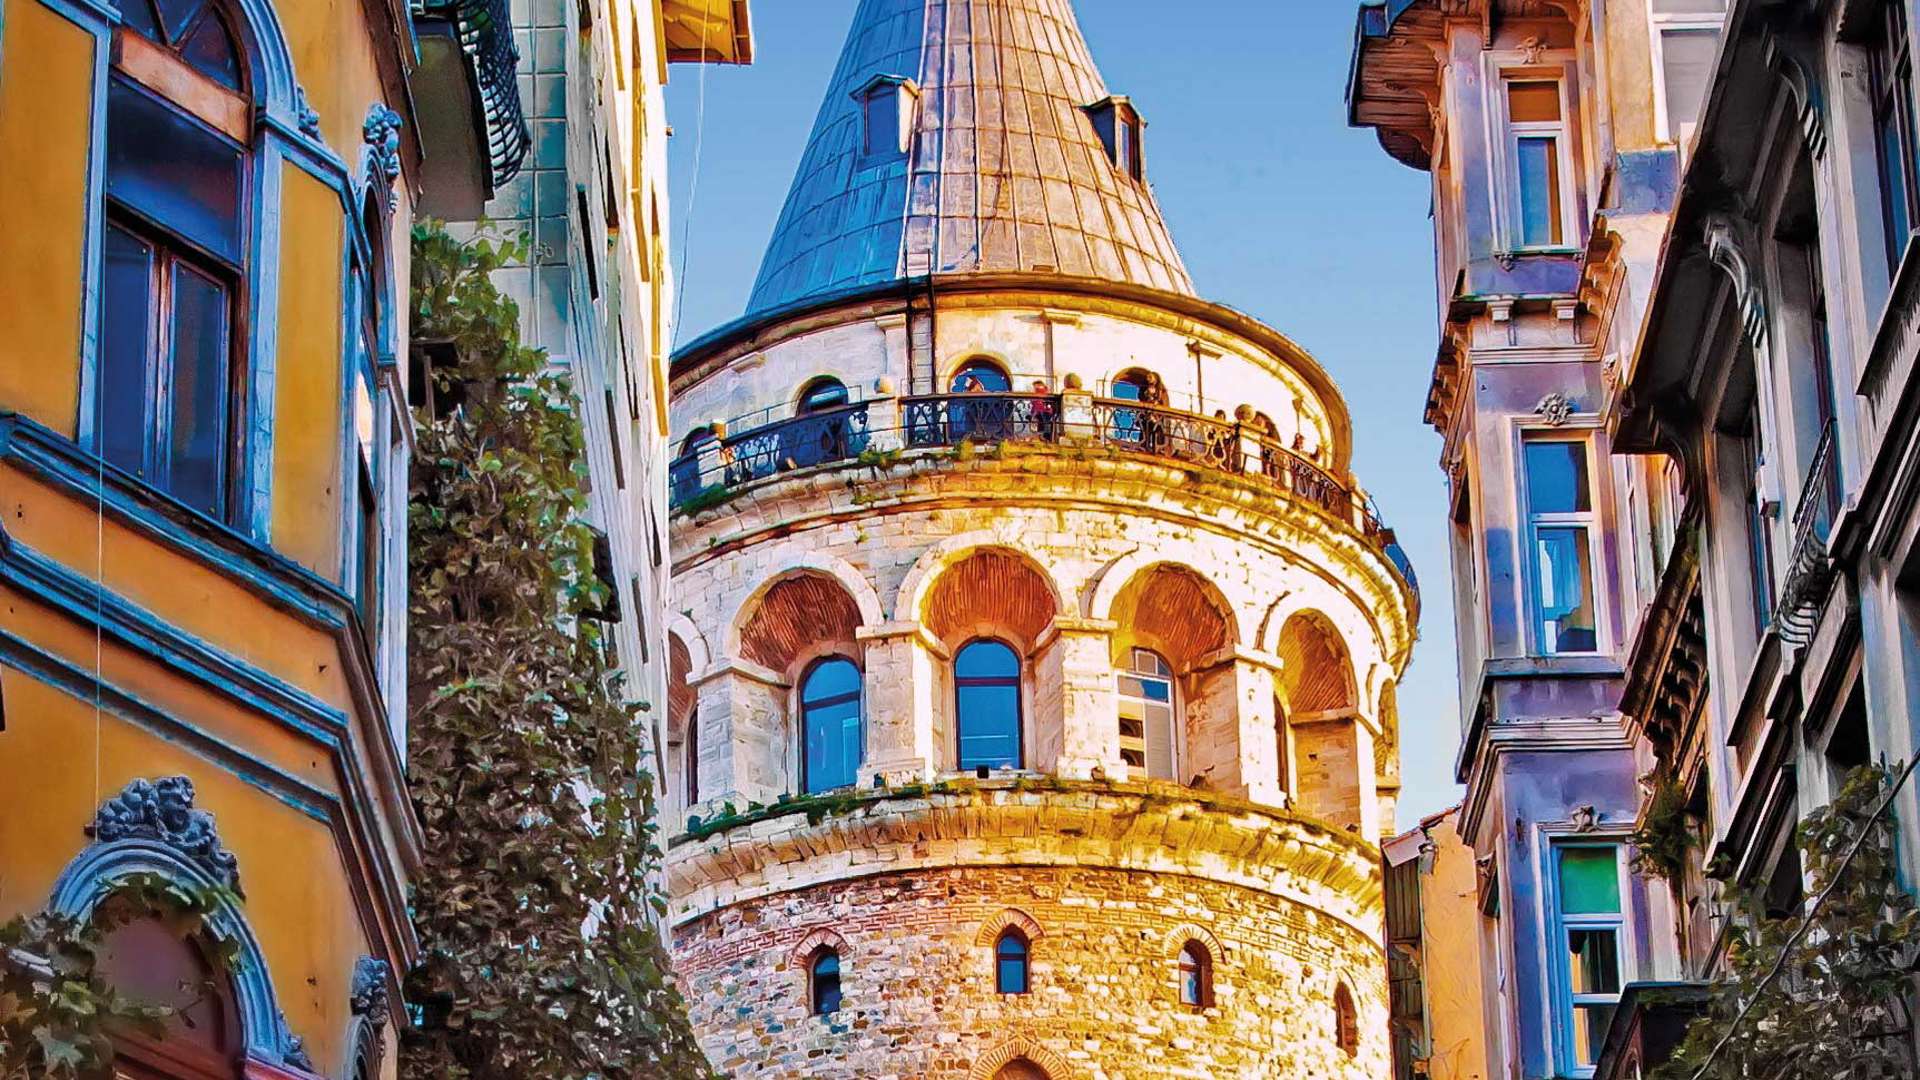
point(1149, 827)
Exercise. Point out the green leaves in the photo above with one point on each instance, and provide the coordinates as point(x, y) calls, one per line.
point(56, 1010)
point(1821, 992)
point(537, 902)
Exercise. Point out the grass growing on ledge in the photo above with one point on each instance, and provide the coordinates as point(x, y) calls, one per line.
point(706, 499)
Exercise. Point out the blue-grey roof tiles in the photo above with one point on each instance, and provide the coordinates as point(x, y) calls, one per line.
point(1004, 170)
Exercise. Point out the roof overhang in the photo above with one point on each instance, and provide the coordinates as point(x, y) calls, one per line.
point(707, 31)
point(1393, 78)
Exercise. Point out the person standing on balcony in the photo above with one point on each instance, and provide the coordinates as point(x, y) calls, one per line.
point(1042, 410)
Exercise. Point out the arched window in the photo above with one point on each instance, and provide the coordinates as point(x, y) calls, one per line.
point(370, 274)
point(983, 375)
point(1133, 384)
point(1196, 976)
point(684, 471)
point(173, 263)
point(1146, 716)
point(986, 678)
point(1010, 955)
point(146, 961)
point(1346, 1023)
point(692, 751)
point(830, 725)
point(824, 979)
point(823, 393)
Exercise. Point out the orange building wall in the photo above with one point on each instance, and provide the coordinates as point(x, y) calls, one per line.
point(44, 58)
point(1451, 955)
point(309, 394)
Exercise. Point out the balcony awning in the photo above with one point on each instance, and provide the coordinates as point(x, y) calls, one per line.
point(707, 31)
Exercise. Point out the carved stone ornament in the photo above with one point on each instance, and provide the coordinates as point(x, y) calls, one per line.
point(1584, 818)
point(308, 119)
point(382, 133)
point(369, 996)
point(1531, 48)
point(294, 1052)
point(162, 810)
point(1555, 408)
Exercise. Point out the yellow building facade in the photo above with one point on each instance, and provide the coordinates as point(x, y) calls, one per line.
point(203, 439)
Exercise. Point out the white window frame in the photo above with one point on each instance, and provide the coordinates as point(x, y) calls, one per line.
point(1176, 736)
point(1507, 135)
point(1658, 25)
point(1559, 925)
point(1588, 519)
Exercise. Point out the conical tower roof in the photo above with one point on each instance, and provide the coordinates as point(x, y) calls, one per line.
point(1004, 167)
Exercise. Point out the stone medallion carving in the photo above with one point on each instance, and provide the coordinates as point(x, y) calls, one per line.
point(162, 811)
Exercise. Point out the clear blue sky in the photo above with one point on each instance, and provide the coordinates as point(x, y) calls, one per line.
point(1279, 208)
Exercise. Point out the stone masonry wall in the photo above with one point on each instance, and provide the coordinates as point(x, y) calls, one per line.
point(920, 999)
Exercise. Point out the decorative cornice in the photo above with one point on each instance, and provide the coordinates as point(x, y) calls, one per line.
point(1150, 827)
point(162, 811)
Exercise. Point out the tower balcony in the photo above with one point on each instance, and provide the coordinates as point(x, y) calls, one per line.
point(764, 448)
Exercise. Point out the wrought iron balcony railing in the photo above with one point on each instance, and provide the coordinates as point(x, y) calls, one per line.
point(484, 29)
point(709, 472)
point(1810, 572)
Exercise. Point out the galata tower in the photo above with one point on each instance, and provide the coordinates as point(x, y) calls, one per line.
point(1033, 646)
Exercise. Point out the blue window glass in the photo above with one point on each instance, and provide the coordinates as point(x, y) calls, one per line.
point(1010, 963)
point(986, 676)
point(128, 286)
point(197, 428)
point(830, 720)
point(1196, 976)
point(174, 171)
point(1557, 481)
point(1590, 926)
point(825, 972)
point(1539, 191)
point(209, 48)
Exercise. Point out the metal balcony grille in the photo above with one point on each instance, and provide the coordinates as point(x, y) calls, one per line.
point(1810, 573)
point(484, 29)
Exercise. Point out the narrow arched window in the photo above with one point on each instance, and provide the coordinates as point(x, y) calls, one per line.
point(1146, 715)
point(1133, 385)
point(986, 679)
point(823, 393)
point(824, 979)
point(1196, 976)
point(1010, 957)
point(683, 473)
point(173, 259)
point(830, 725)
point(1346, 1023)
point(981, 375)
point(692, 751)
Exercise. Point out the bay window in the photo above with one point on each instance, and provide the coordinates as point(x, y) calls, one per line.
point(1560, 528)
point(1538, 162)
point(1588, 938)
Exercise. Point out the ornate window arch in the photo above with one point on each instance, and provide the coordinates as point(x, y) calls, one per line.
point(151, 828)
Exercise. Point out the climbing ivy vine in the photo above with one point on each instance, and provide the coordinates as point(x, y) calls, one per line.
point(58, 1015)
point(1822, 992)
point(538, 902)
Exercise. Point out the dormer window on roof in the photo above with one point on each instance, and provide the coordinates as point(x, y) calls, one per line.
point(1119, 126)
point(887, 104)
